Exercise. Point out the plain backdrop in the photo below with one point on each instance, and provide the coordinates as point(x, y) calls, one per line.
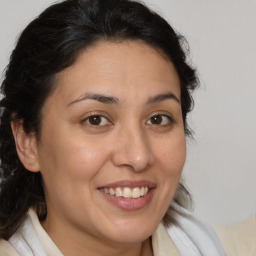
point(220, 171)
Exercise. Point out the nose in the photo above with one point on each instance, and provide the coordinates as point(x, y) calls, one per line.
point(132, 149)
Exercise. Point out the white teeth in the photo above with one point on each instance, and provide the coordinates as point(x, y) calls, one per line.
point(111, 191)
point(126, 192)
point(136, 193)
point(142, 191)
point(119, 192)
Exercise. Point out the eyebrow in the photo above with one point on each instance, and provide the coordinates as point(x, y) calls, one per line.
point(162, 97)
point(98, 97)
point(113, 100)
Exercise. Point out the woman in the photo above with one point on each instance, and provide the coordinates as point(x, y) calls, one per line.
point(93, 129)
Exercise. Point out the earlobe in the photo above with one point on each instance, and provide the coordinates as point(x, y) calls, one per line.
point(26, 146)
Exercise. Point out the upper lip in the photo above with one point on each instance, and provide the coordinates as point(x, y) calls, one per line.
point(130, 184)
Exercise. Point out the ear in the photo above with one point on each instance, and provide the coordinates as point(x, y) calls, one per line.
point(26, 146)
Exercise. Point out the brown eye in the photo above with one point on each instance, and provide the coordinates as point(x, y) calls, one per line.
point(156, 119)
point(96, 120)
point(160, 120)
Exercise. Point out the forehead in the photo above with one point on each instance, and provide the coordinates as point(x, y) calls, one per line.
point(119, 68)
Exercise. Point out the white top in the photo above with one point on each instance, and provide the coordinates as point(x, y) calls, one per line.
point(239, 239)
point(190, 237)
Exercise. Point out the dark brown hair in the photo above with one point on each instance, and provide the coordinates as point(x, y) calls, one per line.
point(51, 43)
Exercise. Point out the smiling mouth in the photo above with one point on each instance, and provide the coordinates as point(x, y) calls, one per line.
point(126, 192)
point(129, 195)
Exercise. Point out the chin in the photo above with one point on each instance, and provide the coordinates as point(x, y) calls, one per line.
point(133, 232)
point(131, 237)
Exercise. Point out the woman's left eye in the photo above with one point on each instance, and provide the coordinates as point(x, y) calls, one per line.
point(96, 120)
point(160, 120)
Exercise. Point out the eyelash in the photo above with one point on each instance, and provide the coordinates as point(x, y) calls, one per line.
point(168, 120)
point(95, 116)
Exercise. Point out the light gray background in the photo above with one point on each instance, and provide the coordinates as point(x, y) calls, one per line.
point(220, 170)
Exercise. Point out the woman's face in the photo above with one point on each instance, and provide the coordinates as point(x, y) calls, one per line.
point(112, 143)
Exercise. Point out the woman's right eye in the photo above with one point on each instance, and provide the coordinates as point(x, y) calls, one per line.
point(96, 120)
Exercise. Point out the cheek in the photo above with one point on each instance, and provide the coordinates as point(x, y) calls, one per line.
point(69, 169)
point(70, 159)
point(172, 155)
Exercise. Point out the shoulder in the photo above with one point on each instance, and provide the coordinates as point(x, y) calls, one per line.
point(239, 238)
point(6, 249)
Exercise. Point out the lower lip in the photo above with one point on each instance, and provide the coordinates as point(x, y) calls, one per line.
point(130, 204)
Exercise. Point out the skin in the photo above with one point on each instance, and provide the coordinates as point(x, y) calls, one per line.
point(76, 156)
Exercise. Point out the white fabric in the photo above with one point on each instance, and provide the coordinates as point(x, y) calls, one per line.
point(26, 242)
point(190, 237)
point(32, 240)
point(48, 245)
point(6, 249)
point(239, 239)
point(162, 244)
